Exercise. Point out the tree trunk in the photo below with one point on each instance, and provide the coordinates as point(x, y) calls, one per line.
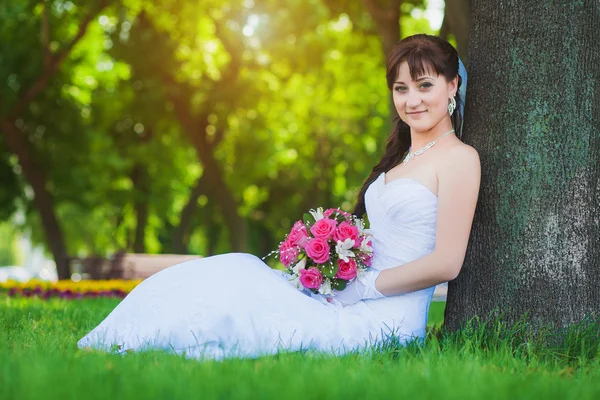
point(181, 232)
point(533, 113)
point(140, 180)
point(213, 236)
point(457, 21)
point(42, 198)
point(224, 199)
point(386, 15)
point(387, 20)
point(195, 127)
point(141, 184)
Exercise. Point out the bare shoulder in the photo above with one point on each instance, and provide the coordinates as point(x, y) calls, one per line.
point(462, 151)
point(460, 157)
point(459, 169)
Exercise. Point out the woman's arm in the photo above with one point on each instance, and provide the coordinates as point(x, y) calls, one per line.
point(458, 188)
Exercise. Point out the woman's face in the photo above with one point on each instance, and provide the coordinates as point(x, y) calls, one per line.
point(422, 103)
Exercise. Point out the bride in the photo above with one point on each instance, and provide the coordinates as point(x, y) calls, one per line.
point(420, 200)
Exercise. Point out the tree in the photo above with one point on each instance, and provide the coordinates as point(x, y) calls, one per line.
point(28, 83)
point(205, 103)
point(170, 124)
point(457, 21)
point(533, 113)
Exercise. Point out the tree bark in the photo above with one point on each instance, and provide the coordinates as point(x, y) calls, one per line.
point(533, 113)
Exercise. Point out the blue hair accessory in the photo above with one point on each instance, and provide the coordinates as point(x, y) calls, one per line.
point(462, 71)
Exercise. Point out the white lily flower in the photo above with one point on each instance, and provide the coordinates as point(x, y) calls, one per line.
point(299, 265)
point(364, 247)
point(325, 288)
point(317, 214)
point(343, 249)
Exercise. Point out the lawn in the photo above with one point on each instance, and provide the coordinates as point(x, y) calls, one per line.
point(39, 360)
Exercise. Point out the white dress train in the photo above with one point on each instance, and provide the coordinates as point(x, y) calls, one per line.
point(234, 305)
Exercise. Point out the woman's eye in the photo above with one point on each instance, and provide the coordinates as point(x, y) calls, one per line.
point(400, 88)
point(426, 85)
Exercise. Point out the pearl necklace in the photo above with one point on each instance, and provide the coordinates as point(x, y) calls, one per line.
point(410, 156)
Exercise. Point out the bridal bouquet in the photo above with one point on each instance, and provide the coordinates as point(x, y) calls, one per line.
point(326, 250)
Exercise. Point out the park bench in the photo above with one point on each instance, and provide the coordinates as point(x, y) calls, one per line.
point(141, 266)
point(125, 265)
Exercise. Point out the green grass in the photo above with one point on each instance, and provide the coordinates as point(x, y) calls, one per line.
point(39, 360)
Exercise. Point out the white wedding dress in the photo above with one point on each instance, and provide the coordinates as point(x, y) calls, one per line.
point(235, 305)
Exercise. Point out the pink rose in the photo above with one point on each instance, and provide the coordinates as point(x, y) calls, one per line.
point(346, 270)
point(288, 253)
point(298, 235)
point(318, 250)
point(311, 278)
point(323, 228)
point(346, 231)
point(327, 213)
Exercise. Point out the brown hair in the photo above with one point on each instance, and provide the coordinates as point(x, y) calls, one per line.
point(421, 52)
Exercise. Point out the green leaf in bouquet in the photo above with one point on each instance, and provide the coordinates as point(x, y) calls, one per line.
point(307, 218)
point(329, 270)
point(338, 284)
point(366, 221)
point(337, 216)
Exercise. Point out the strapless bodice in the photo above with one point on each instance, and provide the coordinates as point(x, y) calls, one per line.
point(402, 216)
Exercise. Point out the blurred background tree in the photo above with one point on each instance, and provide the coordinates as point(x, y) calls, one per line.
point(190, 126)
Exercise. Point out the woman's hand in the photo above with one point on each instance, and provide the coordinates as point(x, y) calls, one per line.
point(361, 288)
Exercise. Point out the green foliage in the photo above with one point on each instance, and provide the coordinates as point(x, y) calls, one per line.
point(11, 186)
point(294, 95)
point(307, 219)
point(330, 269)
point(338, 284)
point(9, 253)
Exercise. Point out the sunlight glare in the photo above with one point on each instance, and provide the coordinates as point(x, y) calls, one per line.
point(435, 13)
point(251, 24)
point(211, 46)
point(343, 23)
